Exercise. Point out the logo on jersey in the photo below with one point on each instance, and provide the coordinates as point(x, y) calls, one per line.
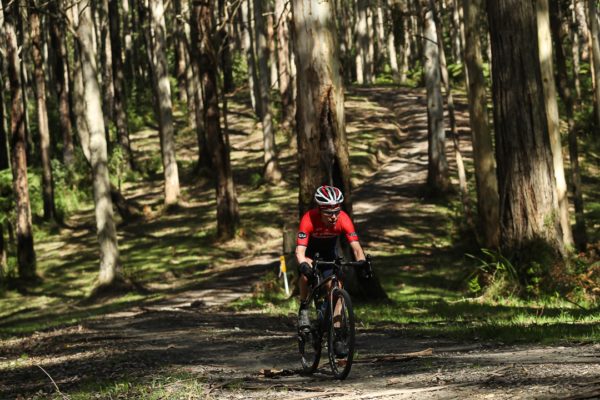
point(301, 235)
point(353, 234)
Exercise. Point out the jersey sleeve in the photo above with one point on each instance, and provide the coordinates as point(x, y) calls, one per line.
point(348, 227)
point(304, 231)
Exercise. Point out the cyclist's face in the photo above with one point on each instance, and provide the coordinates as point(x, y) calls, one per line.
point(329, 217)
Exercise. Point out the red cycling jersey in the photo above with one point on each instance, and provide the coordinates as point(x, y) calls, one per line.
point(319, 238)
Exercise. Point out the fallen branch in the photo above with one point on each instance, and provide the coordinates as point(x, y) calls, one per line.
point(64, 396)
point(396, 357)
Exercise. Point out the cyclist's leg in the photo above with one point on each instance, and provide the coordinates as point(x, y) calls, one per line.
point(303, 283)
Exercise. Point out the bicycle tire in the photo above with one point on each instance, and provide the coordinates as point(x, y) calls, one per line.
point(309, 344)
point(341, 364)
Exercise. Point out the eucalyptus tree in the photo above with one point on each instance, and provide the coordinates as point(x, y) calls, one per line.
point(320, 123)
point(565, 84)
point(37, 45)
point(217, 140)
point(282, 14)
point(164, 106)
point(271, 172)
point(595, 44)
point(483, 149)
point(110, 269)
point(438, 180)
point(118, 75)
point(549, 91)
point(26, 258)
point(527, 185)
point(58, 29)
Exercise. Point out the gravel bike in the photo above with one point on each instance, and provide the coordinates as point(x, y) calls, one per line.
point(331, 318)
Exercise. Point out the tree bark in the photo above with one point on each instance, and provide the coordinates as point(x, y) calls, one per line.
point(250, 60)
point(42, 110)
point(282, 13)
point(271, 172)
point(181, 59)
point(549, 86)
point(110, 270)
point(483, 149)
point(164, 105)
point(227, 205)
point(564, 87)
point(322, 143)
point(595, 42)
point(224, 49)
point(120, 99)
point(362, 42)
point(26, 258)
point(438, 180)
point(391, 44)
point(61, 71)
point(529, 220)
point(4, 157)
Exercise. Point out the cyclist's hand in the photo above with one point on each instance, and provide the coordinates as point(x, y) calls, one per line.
point(306, 270)
point(364, 269)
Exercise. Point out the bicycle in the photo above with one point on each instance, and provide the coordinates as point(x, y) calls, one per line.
point(332, 317)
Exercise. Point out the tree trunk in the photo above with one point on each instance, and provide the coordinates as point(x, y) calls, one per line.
point(362, 42)
point(583, 31)
point(271, 172)
point(227, 205)
point(181, 59)
point(61, 70)
point(165, 108)
point(4, 160)
point(595, 42)
point(438, 179)
point(575, 53)
point(110, 270)
point(250, 60)
point(79, 92)
point(483, 149)
point(42, 111)
point(120, 100)
point(272, 48)
point(460, 166)
point(529, 220)
point(204, 157)
point(391, 45)
point(283, 45)
point(549, 86)
point(564, 87)
point(322, 143)
point(225, 48)
point(25, 251)
point(371, 62)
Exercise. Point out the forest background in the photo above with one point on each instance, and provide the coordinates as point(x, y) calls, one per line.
point(144, 144)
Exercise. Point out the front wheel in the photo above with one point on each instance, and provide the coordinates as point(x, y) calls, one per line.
point(341, 333)
point(309, 344)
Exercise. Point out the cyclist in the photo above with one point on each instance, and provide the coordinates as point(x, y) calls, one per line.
point(319, 230)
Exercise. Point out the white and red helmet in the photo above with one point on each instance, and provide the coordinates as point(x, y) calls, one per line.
point(328, 196)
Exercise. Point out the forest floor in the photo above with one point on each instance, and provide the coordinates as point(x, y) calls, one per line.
point(190, 342)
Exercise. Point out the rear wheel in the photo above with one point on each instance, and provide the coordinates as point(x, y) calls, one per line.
point(341, 334)
point(309, 343)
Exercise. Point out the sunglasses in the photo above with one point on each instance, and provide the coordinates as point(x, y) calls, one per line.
point(330, 212)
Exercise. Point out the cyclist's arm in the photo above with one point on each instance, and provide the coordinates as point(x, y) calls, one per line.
point(301, 255)
point(359, 254)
